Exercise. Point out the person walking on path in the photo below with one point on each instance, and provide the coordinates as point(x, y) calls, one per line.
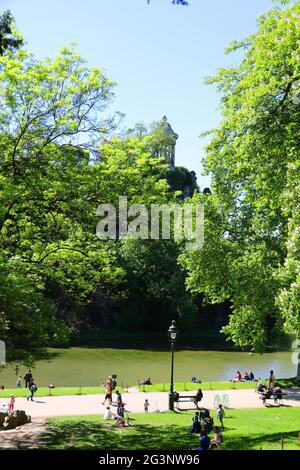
point(108, 393)
point(146, 406)
point(27, 378)
point(271, 380)
point(221, 415)
point(33, 389)
point(11, 403)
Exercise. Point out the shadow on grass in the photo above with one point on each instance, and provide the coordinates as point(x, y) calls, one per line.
point(108, 437)
point(265, 442)
point(37, 355)
point(87, 435)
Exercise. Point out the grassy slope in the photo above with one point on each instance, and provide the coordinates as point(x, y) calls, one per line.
point(244, 430)
point(60, 391)
point(188, 386)
point(42, 392)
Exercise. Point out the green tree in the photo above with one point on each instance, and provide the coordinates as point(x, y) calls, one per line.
point(250, 251)
point(10, 38)
point(51, 116)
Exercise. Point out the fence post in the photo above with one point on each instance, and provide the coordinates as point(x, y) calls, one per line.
point(210, 388)
point(282, 443)
point(79, 389)
point(299, 439)
point(163, 387)
point(184, 386)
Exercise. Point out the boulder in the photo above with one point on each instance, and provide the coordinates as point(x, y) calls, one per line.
point(13, 420)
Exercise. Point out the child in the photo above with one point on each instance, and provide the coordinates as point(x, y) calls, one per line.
point(220, 415)
point(19, 382)
point(11, 402)
point(146, 406)
point(218, 438)
point(108, 414)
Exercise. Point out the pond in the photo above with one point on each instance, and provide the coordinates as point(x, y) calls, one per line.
point(90, 366)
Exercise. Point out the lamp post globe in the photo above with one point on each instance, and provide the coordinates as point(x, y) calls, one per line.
point(172, 334)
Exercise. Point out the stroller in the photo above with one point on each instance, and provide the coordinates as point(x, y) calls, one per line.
point(260, 388)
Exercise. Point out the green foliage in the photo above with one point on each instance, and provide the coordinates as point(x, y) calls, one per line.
point(58, 163)
point(155, 286)
point(251, 250)
point(10, 38)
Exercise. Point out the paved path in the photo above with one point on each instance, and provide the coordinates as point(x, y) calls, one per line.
point(23, 437)
point(76, 405)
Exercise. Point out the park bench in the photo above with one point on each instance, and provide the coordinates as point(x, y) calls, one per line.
point(273, 397)
point(185, 399)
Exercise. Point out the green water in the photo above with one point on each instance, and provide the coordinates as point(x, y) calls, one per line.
point(89, 366)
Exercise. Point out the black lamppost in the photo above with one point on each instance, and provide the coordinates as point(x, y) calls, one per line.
point(172, 334)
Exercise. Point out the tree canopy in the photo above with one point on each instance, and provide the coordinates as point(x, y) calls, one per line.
point(251, 249)
point(10, 38)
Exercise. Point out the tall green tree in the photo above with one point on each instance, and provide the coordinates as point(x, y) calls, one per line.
point(250, 253)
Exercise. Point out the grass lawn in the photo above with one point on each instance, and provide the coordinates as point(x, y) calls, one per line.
point(244, 430)
point(188, 386)
point(43, 391)
point(60, 391)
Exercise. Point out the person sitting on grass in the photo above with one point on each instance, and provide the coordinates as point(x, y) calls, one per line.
point(204, 442)
point(108, 415)
point(237, 377)
point(195, 380)
point(218, 439)
point(120, 422)
point(246, 377)
point(146, 381)
point(251, 376)
point(196, 427)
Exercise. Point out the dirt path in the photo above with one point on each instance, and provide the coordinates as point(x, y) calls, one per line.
point(77, 405)
point(23, 437)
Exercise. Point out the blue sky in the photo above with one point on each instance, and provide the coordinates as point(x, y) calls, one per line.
point(158, 54)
